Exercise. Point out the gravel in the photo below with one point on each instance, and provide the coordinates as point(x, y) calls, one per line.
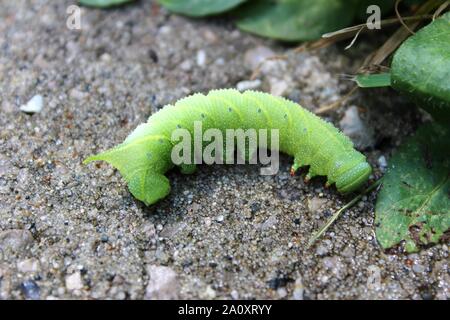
point(74, 231)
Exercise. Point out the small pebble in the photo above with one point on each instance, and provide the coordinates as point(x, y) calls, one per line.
point(324, 247)
point(201, 58)
point(382, 162)
point(162, 283)
point(30, 290)
point(269, 223)
point(255, 56)
point(207, 222)
point(278, 87)
point(298, 290)
point(282, 293)
point(74, 281)
point(248, 85)
point(352, 125)
point(186, 65)
point(35, 105)
point(315, 204)
point(374, 277)
point(16, 240)
point(209, 293)
point(255, 207)
point(418, 268)
point(28, 265)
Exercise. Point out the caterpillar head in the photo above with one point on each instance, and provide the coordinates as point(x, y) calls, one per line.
point(353, 174)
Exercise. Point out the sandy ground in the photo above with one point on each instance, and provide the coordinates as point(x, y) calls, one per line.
point(74, 231)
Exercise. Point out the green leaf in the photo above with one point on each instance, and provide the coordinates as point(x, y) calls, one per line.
point(295, 20)
point(373, 80)
point(103, 3)
point(199, 8)
point(414, 203)
point(421, 68)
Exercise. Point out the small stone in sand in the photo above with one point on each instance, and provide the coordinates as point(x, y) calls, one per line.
point(35, 105)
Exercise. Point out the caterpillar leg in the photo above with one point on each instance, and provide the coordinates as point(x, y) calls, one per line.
point(149, 187)
point(297, 165)
point(330, 181)
point(188, 168)
point(308, 177)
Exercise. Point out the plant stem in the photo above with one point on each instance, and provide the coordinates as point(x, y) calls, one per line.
point(355, 200)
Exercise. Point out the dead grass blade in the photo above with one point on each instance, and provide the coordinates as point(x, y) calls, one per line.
point(333, 106)
point(399, 36)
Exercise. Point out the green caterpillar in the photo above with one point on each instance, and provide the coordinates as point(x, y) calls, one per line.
point(145, 156)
